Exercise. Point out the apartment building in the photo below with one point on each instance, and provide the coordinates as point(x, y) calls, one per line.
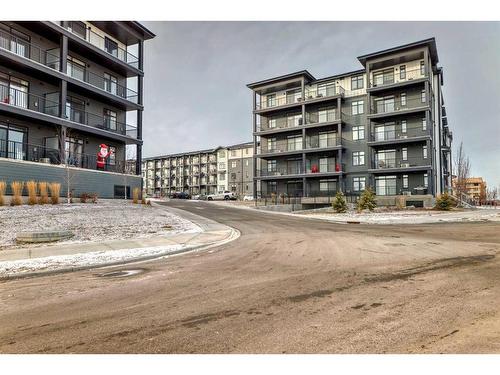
point(68, 90)
point(228, 168)
point(475, 189)
point(383, 126)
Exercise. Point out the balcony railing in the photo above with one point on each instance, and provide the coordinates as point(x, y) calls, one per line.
point(396, 77)
point(323, 117)
point(278, 102)
point(318, 142)
point(397, 134)
point(393, 106)
point(280, 123)
point(75, 71)
point(282, 171)
point(27, 50)
point(280, 146)
point(41, 154)
point(102, 43)
point(323, 92)
point(314, 167)
point(389, 162)
point(23, 99)
point(310, 94)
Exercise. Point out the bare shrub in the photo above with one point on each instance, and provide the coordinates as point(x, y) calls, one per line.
point(44, 194)
point(32, 198)
point(135, 195)
point(17, 192)
point(3, 186)
point(55, 190)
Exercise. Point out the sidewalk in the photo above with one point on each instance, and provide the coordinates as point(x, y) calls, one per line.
point(30, 261)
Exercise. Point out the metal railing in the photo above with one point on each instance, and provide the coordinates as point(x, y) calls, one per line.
point(397, 105)
point(36, 153)
point(314, 166)
point(27, 50)
point(323, 92)
point(315, 141)
point(23, 99)
point(280, 146)
point(396, 77)
point(317, 118)
point(281, 171)
point(75, 71)
point(397, 133)
point(100, 42)
point(280, 123)
point(389, 162)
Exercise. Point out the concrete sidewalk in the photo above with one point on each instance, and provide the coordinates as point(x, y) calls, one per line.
point(34, 261)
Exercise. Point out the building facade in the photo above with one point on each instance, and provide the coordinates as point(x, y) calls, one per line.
point(66, 89)
point(475, 189)
point(201, 172)
point(382, 126)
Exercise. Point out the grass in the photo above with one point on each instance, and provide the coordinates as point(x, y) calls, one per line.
point(17, 192)
point(3, 186)
point(32, 198)
point(44, 194)
point(55, 190)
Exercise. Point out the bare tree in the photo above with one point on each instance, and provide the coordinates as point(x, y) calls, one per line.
point(129, 167)
point(68, 159)
point(492, 194)
point(462, 170)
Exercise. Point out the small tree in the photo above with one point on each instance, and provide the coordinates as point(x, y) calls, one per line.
point(445, 202)
point(339, 204)
point(367, 200)
point(462, 170)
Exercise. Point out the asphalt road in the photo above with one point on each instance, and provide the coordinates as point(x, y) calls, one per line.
point(287, 285)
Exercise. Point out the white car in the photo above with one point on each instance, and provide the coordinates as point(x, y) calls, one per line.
point(248, 198)
point(221, 195)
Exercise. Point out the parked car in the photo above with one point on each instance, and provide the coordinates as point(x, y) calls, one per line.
point(248, 198)
point(226, 195)
point(180, 195)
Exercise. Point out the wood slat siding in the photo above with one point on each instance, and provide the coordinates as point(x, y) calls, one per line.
point(84, 180)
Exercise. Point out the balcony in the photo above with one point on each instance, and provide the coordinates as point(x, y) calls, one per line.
point(284, 171)
point(389, 107)
point(323, 93)
point(30, 102)
point(383, 164)
point(107, 45)
point(112, 87)
point(280, 147)
point(394, 79)
point(323, 117)
point(50, 156)
point(317, 142)
point(396, 136)
point(317, 168)
point(280, 124)
point(281, 101)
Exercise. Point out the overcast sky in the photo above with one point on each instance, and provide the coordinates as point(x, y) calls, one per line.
point(196, 75)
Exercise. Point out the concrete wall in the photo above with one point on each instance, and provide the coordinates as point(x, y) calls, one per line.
point(82, 180)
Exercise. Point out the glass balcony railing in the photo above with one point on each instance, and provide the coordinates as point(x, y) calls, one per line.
point(280, 146)
point(282, 171)
point(386, 79)
point(317, 166)
point(319, 142)
point(390, 162)
point(397, 105)
point(382, 134)
point(270, 101)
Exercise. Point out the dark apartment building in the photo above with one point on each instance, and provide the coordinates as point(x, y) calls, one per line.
point(383, 126)
point(68, 90)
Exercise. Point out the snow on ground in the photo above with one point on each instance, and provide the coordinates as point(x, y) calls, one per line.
point(83, 260)
point(105, 220)
point(405, 216)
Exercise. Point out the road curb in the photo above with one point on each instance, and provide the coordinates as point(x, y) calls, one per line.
point(233, 235)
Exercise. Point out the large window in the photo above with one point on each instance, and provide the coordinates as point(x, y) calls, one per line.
point(293, 96)
point(327, 139)
point(357, 82)
point(385, 185)
point(385, 104)
point(383, 77)
point(358, 107)
point(272, 123)
point(271, 100)
point(74, 151)
point(76, 68)
point(75, 109)
point(271, 144)
point(294, 120)
point(358, 158)
point(12, 141)
point(358, 183)
point(358, 133)
point(423, 96)
point(110, 83)
point(385, 132)
point(422, 68)
point(271, 166)
point(424, 124)
point(326, 114)
point(424, 152)
point(294, 143)
point(326, 186)
point(403, 126)
point(111, 46)
point(326, 89)
point(110, 119)
point(404, 153)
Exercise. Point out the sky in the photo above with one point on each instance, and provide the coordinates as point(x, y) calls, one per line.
point(196, 75)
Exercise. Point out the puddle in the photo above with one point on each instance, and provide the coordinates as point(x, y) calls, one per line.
point(121, 273)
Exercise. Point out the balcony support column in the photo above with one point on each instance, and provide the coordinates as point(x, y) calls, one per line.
point(63, 97)
point(255, 156)
point(63, 54)
point(341, 178)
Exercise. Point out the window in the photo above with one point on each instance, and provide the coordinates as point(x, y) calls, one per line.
point(13, 142)
point(112, 156)
point(271, 144)
point(357, 107)
point(424, 150)
point(78, 28)
point(403, 126)
point(76, 68)
point(422, 96)
point(357, 82)
point(422, 68)
point(326, 89)
point(403, 99)
point(404, 152)
point(294, 120)
point(293, 96)
point(222, 165)
point(424, 124)
point(358, 158)
point(323, 165)
point(271, 166)
point(385, 185)
point(327, 139)
point(402, 72)
point(247, 151)
point(385, 159)
point(246, 163)
point(75, 110)
point(110, 83)
point(294, 143)
point(358, 183)
point(385, 104)
point(426, 180)
point(272, 123)
point(405, 181)
point(233, 164)
point(385, 77)
point(111, 46)
point(327, 185)
point(222, 177)
point(13, 91)
point(326, 114)
point(109, 119)
point(271, 100)
point(271, 187)
point(358, 133)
